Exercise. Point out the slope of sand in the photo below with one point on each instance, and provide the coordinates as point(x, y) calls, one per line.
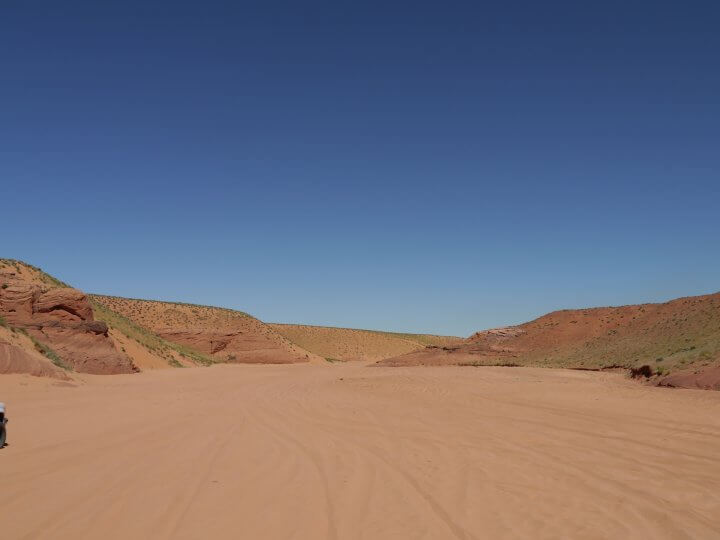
point(345, 451)
point(353, 344)
point(225, 334)
point(11, 269)
point(146, 359)
point(86, 334)
point(18, 354)
point(44, 315)
point(681, 336)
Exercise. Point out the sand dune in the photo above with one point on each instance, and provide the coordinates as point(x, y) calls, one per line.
point(352, 344)
point(347, 451)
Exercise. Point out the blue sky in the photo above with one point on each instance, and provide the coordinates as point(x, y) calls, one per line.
point(430, 167)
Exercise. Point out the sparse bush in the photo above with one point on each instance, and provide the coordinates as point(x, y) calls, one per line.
point(50, 354)
point(152, 342)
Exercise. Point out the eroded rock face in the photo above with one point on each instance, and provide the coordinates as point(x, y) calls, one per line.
point(65, 305)
point(227, 335)
point(62, 318)
point(26, 303)
point(241, 347)
point(85, 346)
point(16, 302)
point(18, 359)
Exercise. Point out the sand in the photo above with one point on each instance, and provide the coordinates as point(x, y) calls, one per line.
point(349, 451)
point(679, 336)
point(224, 334)
point(350, 344)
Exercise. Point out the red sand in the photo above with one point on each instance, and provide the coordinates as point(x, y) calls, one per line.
point(345, 451)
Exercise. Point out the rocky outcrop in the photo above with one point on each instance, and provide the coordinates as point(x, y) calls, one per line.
point(680, 338)
point(64, 305)
point(62, 318)
point(234, 347)
point(224, 334)
point(84, 345)
point(19, 355)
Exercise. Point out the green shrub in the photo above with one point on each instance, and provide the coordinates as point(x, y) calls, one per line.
point(50, 354)
point(152, 342)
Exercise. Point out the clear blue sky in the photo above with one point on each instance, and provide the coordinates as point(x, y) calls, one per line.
point(411, 166)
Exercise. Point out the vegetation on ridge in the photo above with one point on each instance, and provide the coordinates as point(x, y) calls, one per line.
point(41, 274)
point(146, 338)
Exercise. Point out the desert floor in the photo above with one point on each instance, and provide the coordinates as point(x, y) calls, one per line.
point(350, 451)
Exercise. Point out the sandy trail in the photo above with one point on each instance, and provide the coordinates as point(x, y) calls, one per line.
point(349, 451)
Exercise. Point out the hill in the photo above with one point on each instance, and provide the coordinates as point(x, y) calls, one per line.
point(58, 323)
point(345, 344)
point(672, 341)
point(223, 334)
point(49, 328)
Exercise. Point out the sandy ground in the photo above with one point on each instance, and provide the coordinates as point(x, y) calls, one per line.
point(348, 451)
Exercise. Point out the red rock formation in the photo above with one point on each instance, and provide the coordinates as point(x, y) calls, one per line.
point(238, 347)
point(227, 335)
point(681, 337)
point(64, 304)
point(61, 318)
point(17, 359)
